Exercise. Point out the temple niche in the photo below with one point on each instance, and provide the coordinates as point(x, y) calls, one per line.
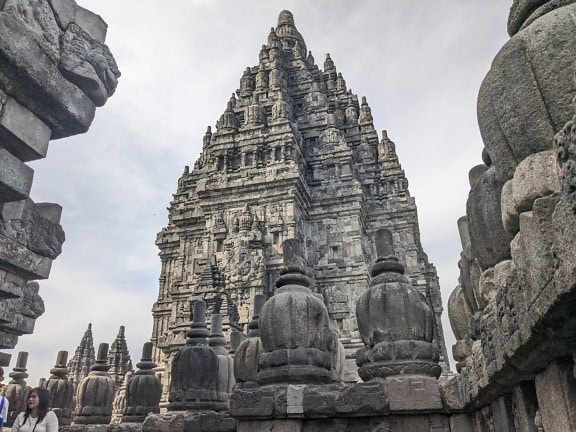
point(294, 156)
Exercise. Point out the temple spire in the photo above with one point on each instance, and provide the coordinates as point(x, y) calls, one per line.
point(83, 358)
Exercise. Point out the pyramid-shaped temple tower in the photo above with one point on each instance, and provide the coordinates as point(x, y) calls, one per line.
point(294, 155)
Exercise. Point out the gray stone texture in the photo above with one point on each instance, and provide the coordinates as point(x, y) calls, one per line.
point(526, 96)
point(38, 103)
point(294, 155)
point(556, 390)
point(22, 133)
point(490, 242)
point(15, 177)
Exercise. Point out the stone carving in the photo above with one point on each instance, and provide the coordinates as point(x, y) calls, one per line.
point(143, 390)
point(395, 323)
point(225, 361)
point(194, 382)
point(39, 19)
point(61, 390)
point(17, 390)
point(95, 393)
point(279, 182)
point(119, 403)
point(119, 359)
point(43, 95)
point(84, 357)
point(247, 353)
point(565, 143)
point(526, 96)
point(294, 328)
point(88, 64)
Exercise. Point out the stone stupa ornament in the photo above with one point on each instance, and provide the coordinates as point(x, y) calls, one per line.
point(95, 394)
point(17, 389)
point(194, 384)
point(295, 327)
point(61, 390)
point(225, 360)
point(246, 356)
point(143, 390)
point(395, 322)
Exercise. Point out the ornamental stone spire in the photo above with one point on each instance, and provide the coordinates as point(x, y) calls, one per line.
point(84, 357)
point(298, 158)
point(119, 358)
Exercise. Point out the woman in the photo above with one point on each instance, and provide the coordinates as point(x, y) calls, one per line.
point(37, 417)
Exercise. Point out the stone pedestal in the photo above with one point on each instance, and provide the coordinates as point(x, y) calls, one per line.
point(61, 390)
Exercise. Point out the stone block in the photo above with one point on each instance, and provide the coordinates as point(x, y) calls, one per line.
point(413, 393)
point(270, 425)
point(15, 177)
point(5, 359)
point(452, 392)
point(526, 403)
point(535, 177)
point(490, 242)
point(22, 133)
point(10, 286)
point(17, 258)
point(365, 398)
point(31, 78)
point(526, 96)
point(91, 23)
point(7, 340)
point(49, 211)
point(12, 210)
point(556, 391)
point(64, 11)
point(461, 423)
point(510, 216)
point(532, 247)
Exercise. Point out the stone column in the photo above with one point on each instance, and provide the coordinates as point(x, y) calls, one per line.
point(556, 391)
point(225, 360)
point(17, 389)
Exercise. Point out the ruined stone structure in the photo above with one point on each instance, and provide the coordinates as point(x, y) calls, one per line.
point(54, 71)
point(513, 312)
point(119, 358)
point(294, 155)
point(84, 357)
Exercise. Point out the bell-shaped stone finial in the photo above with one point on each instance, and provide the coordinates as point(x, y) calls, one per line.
point(394, 321)
point(328, 63)
point(246, 356)
point(96, 392)
point(194, 382)
point(365, 113)
point(17, 389)
point(61, 390)
point(295, 327)
point(143, 390)
point(225, 361)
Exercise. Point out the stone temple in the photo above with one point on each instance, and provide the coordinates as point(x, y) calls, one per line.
point(294, 156)
point(294, 294)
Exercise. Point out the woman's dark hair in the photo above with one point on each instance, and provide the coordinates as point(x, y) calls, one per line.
point(43, 403)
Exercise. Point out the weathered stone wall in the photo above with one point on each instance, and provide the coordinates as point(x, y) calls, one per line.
point(54, 71)
point(513, 313)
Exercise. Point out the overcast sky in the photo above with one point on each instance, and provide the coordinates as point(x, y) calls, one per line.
point(419, 63)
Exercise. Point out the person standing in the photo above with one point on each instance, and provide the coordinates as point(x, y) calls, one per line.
point(37, 417)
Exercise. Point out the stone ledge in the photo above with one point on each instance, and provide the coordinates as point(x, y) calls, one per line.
point(17, 258)
point(30, 77)
point(15, 176)
point(397, 395)
point(22, 133)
